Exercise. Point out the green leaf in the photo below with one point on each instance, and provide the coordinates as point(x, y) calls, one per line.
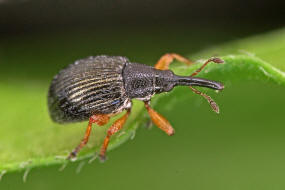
point(30, 139)
point(269, 47)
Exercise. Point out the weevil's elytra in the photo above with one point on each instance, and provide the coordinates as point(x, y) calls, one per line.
point(99, 87)
point(89, 86)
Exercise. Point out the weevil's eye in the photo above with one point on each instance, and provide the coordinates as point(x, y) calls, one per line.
point(162, 85)
point(167, 87)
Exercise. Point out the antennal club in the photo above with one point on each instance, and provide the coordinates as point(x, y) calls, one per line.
point(212, 103)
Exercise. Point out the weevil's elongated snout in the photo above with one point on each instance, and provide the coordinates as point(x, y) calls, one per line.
point(195, 81)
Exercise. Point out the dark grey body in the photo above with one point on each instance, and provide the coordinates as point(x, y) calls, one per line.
point(106, 85)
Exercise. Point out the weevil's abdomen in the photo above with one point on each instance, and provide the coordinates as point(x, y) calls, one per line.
point(89, 86)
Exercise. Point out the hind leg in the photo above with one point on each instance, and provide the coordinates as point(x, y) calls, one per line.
point(117, 125)
point(100, 120)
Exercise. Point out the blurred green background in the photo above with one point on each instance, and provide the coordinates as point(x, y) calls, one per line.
point(242, 148)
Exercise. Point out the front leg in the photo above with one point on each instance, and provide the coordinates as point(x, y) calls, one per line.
point(159, 120)
point(165, 60)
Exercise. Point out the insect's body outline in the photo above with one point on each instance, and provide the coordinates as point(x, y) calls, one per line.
point(99, 87)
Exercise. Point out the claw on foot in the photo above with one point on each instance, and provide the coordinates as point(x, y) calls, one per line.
point(72, 156)
point(217, 60)
point(102, 157)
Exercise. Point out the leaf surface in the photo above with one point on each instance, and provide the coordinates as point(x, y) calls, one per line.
point(30, 139)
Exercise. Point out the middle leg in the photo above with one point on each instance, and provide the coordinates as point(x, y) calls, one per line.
point(159, 120)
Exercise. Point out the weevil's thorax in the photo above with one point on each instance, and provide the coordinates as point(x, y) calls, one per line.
point(142, 81)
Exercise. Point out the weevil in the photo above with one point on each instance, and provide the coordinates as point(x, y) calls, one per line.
point(97, 88)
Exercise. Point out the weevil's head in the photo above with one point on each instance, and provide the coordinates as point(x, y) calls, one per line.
point(142, 81)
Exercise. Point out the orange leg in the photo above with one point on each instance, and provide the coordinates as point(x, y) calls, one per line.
point(100, 120)
point(159, 120)
point(112, 130)
point(164, 62)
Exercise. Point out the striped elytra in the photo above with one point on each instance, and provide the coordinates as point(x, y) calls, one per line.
point(89, 86)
